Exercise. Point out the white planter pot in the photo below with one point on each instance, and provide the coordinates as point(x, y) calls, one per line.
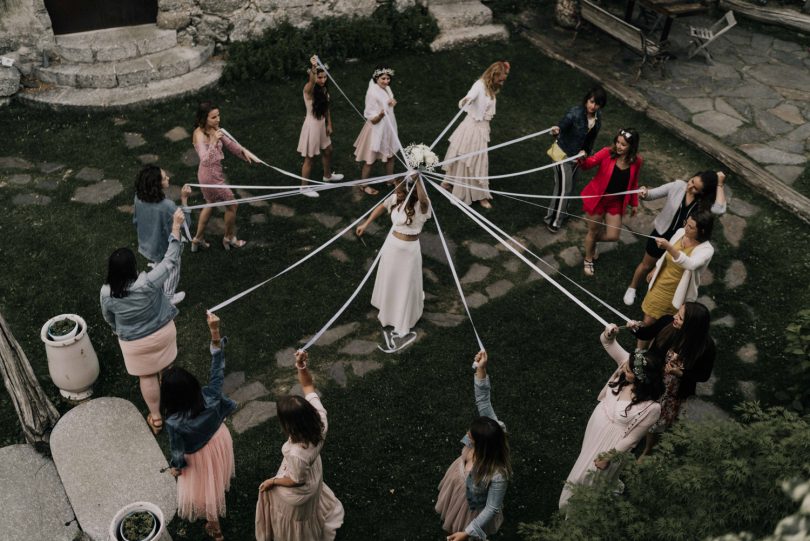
point(63, 337)
point(115, 525)
point(72, 362)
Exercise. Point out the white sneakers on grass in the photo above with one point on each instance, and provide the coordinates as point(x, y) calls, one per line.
point(309, 192)
point(334, 178)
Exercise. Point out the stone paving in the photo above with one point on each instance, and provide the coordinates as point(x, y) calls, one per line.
point(753, 96)
point(495, 273)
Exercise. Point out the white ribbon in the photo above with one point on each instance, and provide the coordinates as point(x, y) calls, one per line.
point(531, 195)
point(439, 138)
point(458, 282)
point(299, 262)
point(482, 222)
point(323, 67)
point(493, 147)
point(517, 174)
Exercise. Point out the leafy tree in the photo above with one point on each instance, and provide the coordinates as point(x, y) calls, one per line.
point(706, 479)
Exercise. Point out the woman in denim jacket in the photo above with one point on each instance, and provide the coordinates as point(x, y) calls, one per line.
point(471, 493)
point(201, 445)
point(575, 132)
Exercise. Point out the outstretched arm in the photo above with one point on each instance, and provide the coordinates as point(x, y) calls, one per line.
point(614, 349)
point(424, 201)
point(482, 387)
point(361, 229)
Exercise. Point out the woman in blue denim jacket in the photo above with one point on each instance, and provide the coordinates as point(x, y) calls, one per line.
point(471, 493)
point(575, 132)
point(201, 445)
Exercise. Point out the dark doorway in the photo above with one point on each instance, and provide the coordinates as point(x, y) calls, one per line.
point(69, 16)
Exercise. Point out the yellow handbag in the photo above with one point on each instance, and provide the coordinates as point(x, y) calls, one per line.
point(556, 153)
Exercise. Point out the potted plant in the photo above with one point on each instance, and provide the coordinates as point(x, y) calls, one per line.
point(72, 361)
point(138, 526)
point(139, 521)
point(63, 329)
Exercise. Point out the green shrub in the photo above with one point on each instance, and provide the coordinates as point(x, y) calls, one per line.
point(283, 51)
point(797, 392)
point(705, 479)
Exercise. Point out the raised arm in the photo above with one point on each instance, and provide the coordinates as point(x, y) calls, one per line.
point(217, 376)
point(424, 201)
point(161, 272)
point(304, 377)
point(648, 194)
point(482, 387)
point(313, 75)
point(719, 205)
point(614, 349)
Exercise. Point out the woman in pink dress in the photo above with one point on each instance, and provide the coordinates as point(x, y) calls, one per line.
point(628, 407)
point(208, 141)
point(378, 140)
point(296, 505)
point(317, 128)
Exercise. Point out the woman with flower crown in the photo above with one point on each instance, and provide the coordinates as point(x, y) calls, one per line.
point(628, 407)
point(473, 135)
point(398, 287)
point(378, 138)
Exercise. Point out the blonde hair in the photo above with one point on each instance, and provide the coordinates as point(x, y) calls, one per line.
point(490, 77)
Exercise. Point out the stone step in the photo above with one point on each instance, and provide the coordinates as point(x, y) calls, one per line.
point(465, 36)
point(113, 44)
point(460, 15)
point(135, 71)
point(100, 99)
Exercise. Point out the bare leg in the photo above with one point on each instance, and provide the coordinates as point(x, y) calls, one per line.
point(306, 170)
point(364, 174)
point(594, 230)
point(326, 161)
point(613, 224)
point(202, 221)
point(150, 390)
point(642, 270)
point(230, 222)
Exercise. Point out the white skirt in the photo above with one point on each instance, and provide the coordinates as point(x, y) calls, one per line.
point(398, 288)
point(470, 136)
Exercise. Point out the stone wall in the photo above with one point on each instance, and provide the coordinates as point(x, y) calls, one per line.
point(223, 21)
point(25, 31)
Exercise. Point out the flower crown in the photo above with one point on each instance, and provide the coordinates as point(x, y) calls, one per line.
point(382, 71)
point(639, 363)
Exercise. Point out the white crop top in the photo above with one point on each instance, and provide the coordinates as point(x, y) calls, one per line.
point(399, 218)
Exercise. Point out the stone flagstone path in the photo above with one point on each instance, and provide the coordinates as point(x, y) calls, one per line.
point(494, 274)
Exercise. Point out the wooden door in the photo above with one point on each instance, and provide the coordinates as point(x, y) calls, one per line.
point(69, 16)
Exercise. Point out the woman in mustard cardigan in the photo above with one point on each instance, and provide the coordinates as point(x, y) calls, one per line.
point(619, 166)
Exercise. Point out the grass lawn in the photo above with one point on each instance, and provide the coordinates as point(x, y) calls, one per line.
point(394, 431)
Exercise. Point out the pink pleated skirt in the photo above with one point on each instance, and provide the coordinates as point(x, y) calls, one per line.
point(363, 147)
point(470, 136)
point(313, 137)
point(150, 354)
point(205, 479)
point(452, 502)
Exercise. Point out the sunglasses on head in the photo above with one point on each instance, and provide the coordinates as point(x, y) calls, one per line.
point(626, 134)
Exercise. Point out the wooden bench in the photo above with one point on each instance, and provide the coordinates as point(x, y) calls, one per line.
point(621, 30)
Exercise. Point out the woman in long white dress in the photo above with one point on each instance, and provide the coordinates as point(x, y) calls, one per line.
point(628, 407)
point(377, 140)
point(473, 135)
point(296, 505)
point(398, 287)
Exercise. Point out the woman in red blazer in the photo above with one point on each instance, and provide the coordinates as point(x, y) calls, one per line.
point(619, 166)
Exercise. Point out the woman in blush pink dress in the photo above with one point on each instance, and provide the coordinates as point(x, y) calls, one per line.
point(209, 141)
point(628, 406)
point(316, 131)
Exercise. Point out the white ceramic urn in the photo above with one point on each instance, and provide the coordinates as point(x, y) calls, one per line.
point(72, 362)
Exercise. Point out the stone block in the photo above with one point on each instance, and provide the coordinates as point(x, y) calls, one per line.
point(736, 274)
point(482, 250)
point(285, 358)
point(733, 229)
point(107, 458)
point(9, 81)
point(716, 123)
point(701, 411)
point(339, 255)
point(233, 381)
point(133, 140)
point(475, 274)
point(748, 353)
point(20, 179)
point(252, 415)
point(24, 199)
point(444, 319)
point(766, 154)
point(540, 237)
point(173, 20)
point(432, 246)
point(251, 391)
point(771, 124)
point(571, 256)
point(361, 368)
point(337, 371)
point(148, 158)
point(90, 174)
point(476, 300)
point(101, 192)
point(359, 347)
point(708, 302)
point(178, 133)
point(499, 288)
point(697, 105)
point(334, 334)
point(33, 503)
point(789, 113)
point(190, 158)
point(12, 162)
point(282, 211)
point(786, 173)
point(327, 220)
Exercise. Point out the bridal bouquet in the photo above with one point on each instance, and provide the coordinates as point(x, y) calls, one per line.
point(420, 157)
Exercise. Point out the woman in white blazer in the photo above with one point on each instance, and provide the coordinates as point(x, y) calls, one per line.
point(676, 276)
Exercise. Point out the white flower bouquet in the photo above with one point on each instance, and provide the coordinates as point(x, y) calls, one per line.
point(419, 156)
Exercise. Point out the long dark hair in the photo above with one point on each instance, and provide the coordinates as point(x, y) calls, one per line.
point(491, 450)
point(121, 271)
point(410, 203)
point(180, 392)
point(650, 389)
point(300, 420)
point(203, 109)
point(148, 185)
point(704, 220)
point(631, 136)
point(691, 340)
point(709, 192)
point(320, 98)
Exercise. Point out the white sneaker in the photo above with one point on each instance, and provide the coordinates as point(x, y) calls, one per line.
point(334, 178)
point(629, 296)
point(178, 297)
point(308, 192)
